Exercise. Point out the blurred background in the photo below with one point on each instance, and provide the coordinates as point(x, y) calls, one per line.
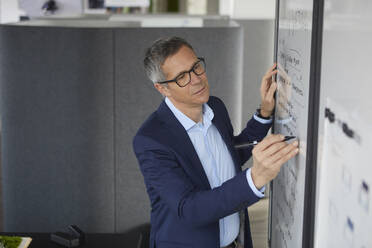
point(11, 10)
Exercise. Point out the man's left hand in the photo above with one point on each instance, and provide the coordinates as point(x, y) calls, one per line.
point(268, 87)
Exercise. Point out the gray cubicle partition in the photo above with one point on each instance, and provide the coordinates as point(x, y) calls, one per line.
point(72, 99)
point(258, 57)
point(58, 127)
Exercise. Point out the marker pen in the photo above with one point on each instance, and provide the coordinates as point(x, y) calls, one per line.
point(253, 143)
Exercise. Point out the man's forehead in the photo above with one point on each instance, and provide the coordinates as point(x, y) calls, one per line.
point(181, 61)
point(182, 56)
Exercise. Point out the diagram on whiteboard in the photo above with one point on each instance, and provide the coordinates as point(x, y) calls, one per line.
point(344, 214)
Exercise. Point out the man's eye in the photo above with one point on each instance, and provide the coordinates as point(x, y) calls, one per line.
point(181, 76)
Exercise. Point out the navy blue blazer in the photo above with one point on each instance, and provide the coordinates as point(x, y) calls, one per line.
point(185, 211)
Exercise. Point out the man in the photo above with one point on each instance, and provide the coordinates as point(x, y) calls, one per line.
point(186, 154)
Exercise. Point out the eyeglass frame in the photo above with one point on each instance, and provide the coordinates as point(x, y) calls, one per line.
point(174, 80)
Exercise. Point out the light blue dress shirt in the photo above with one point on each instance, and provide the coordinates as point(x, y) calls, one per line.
point(216, 161)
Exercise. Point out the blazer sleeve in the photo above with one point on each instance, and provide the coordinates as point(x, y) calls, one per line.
point(254, 130)
point(165, 178)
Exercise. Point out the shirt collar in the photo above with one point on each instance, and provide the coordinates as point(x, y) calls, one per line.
point(185, 121)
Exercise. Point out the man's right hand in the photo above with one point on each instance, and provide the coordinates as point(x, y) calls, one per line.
point(268, 157)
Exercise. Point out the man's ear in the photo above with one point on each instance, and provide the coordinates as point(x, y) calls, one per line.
point(163, 89)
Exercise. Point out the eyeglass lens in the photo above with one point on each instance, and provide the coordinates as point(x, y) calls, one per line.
point(185, 78)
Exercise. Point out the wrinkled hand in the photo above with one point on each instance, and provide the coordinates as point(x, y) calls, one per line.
point(268, 157)
point(267, 91)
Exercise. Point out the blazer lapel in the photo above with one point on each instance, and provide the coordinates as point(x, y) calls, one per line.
point(227, 138)
point(181, 142)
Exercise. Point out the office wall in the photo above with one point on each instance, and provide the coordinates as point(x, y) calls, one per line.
point(9, 11)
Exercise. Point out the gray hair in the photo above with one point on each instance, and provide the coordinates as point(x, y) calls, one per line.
point(159, 51)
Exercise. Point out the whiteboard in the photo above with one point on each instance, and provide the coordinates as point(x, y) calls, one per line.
point(294, 34)
point(343, 205)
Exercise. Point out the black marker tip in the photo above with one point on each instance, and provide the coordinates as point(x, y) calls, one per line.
point(286, 138)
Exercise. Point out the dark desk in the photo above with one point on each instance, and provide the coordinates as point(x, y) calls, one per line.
point(42, 240)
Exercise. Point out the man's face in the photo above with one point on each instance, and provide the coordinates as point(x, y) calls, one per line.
point(192, 95)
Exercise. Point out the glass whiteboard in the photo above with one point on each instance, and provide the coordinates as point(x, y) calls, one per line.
point(294, 34)
point(344, 198)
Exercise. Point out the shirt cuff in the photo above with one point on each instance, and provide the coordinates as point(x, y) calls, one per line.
point(262, 121)
point(259, 193)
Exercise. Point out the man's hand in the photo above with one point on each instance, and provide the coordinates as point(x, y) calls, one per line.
point(267, 91)
point(268, 157)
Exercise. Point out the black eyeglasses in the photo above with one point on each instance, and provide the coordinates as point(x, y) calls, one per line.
point(184, 78)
